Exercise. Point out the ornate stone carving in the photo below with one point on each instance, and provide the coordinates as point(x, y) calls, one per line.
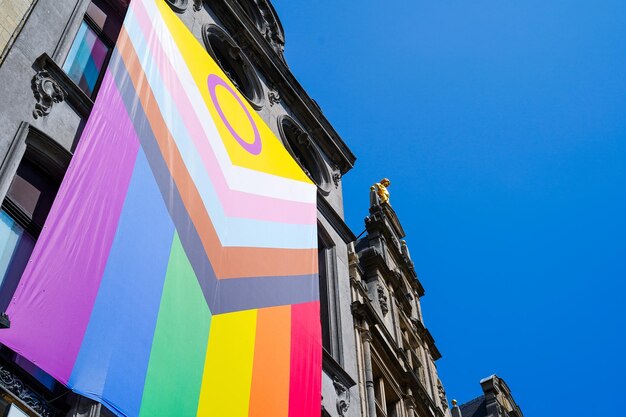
point(273, 96)
point(21, 391)
point(343, 397)
point(179, 6)
point(197, 5)
point(395, 241)
point(269, 26)
point(47, 92)
point(336, 177)
point(442, 395)
point(382, 299)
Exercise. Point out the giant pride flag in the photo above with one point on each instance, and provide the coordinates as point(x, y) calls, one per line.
point(176, 274)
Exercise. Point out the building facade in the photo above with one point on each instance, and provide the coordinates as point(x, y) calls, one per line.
point(496, 401)
point(378, 358)
point(395, 351)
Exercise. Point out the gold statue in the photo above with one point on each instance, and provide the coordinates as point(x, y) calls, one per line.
point(381, 190)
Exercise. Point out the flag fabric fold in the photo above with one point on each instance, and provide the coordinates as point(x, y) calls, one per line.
point(176, 274)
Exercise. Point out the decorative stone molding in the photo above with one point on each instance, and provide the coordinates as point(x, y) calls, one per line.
point(343, 397)
point(47, 92)
point(336, 177)
point(406, 254)
point(442, 395)
point(21, 391)
point(337, 222)
point(264, 17)
point(197, 5)
point(382, 299)
point(273, 96)
point(52, 85)
point(179, 6)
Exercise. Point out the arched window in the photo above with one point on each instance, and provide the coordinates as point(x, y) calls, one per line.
point(233, 62)
point(305, 151)
point(179, 6)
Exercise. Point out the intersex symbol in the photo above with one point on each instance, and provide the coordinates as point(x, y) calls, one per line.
point(253, 147)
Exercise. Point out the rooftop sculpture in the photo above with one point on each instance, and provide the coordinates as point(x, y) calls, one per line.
point(381, 190)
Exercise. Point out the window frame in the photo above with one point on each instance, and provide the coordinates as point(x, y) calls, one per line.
point(329, 251)
point(80, 15)
point(91, 25)
point(43, 152)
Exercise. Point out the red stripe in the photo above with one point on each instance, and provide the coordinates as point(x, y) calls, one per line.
point(305, 388)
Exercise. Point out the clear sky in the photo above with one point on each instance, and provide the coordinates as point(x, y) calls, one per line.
point(502, 126)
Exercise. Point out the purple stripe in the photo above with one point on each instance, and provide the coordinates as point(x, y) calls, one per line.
point(53, 303)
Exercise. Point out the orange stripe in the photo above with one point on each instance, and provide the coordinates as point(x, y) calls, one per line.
point(269, 395)
point(227, 262)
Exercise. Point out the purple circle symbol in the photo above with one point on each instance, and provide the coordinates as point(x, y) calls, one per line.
point(255, 147)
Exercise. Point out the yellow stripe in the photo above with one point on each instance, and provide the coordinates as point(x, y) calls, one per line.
point(274, 158)
point(228, 366)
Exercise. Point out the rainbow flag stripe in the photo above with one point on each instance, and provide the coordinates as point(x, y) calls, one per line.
point(176, 274)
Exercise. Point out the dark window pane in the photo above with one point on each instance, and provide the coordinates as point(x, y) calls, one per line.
point(15, 248)
point(86, 59)
point(33, 192)
point(324, 304)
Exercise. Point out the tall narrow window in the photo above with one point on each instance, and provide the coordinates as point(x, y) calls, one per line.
point(16, 246)
point(86, 59)
point(328, 295)
point(322, 259)
point(22, 216)
point(92, 46)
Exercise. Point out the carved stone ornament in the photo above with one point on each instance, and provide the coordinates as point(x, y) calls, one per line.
point(270, 28)
point(442, 395)
point(273, 96)
point(343, 397)
point(47, 92)
point(17, 387)
point(197, 5)
point(179, 6)
point(382, 299)
point(336, 177)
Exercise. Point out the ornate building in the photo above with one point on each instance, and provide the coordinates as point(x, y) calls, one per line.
point(378, 357)
point(396, 353)
point(496, 401)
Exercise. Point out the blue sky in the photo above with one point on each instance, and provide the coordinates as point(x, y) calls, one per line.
point(502, 126)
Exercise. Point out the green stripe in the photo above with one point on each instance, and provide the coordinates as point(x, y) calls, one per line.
point(176, 364)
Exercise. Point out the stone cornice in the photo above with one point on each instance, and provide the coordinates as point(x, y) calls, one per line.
point(335, 370)
point(337, 223)
point(428, 338)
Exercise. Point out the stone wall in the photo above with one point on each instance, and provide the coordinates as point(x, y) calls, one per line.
point(11, 14)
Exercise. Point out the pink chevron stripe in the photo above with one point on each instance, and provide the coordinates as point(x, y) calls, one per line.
point(235, 203)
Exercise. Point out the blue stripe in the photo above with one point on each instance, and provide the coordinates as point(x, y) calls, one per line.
point(114, 355)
